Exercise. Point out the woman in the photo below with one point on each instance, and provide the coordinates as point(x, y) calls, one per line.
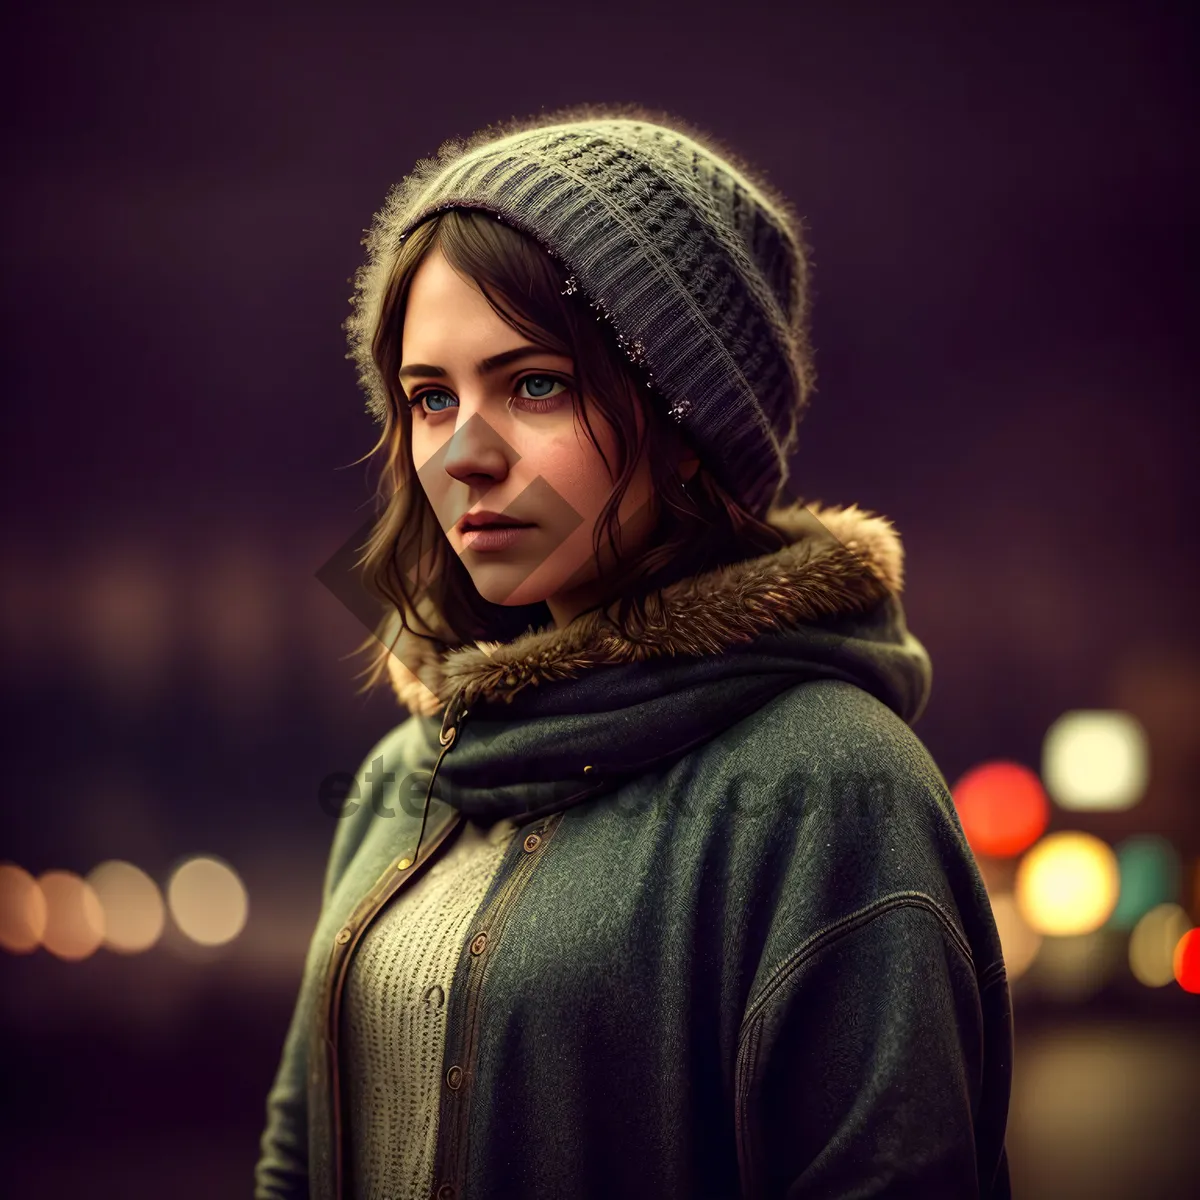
point(655, 892)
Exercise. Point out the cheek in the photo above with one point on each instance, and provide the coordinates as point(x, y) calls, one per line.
point(424, 449)
point(573, 468)
point(432, 479)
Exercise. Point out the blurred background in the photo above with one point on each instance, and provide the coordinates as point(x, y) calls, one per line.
point(1001, 203)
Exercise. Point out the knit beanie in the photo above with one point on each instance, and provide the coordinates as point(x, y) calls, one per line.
point(695, 260)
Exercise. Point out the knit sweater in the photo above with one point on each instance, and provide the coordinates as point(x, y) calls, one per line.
point(393, 1022)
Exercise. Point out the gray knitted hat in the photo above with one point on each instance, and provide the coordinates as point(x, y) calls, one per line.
point(697, 263)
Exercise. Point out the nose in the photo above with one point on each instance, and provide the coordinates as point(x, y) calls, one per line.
point(478, 453)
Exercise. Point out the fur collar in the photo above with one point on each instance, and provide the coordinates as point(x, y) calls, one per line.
point(839, 559)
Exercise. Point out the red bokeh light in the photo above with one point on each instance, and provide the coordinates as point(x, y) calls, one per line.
point(1187, 961)
point(1003, 808)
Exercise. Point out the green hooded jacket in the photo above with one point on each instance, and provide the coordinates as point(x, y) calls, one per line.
point(738, 947)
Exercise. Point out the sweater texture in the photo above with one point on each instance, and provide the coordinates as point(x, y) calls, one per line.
point(394, 1019)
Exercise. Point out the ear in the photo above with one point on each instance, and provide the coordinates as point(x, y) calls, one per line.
point(688, 467)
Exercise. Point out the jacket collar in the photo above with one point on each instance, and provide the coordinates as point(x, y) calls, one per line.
point(838, 560)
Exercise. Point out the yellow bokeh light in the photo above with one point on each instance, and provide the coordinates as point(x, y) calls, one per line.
point(74, 918)
point(22, 910)
point(1067, 883)
point(1019, 943)
point(208, 901)
point(1095, 760)
point(133, 907)
point(1152, 944)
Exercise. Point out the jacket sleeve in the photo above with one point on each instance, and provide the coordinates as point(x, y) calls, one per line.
point(877, 1065)
point(282, 1169)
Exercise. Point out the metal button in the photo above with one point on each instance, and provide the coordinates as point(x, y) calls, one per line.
point(478, 943)
point(404, 864)
point(445, 1192)
point(454, 1078)
point(343, 936)
point(532, 842)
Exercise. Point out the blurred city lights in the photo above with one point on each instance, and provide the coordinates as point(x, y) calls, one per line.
point(1186, 961)
point(22, 910)
point(1074, 967)
point(1150, 874)
point(1067, 884)
point(1095, 760)
point(1019, 943)
point(1153, 942)
point(207, 901)
point(123, 614)
point(1002, 807)
point(74, 918)
point(133, 907)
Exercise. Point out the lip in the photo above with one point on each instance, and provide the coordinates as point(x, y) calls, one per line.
point(501, 538)
point(485, 516)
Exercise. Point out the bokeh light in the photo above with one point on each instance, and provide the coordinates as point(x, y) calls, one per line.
point(1150, 875)
point(1003, 808)
point(208, 900)
point(134, 915)
point(1095, 760)
point(22, 910)
point(74, 918)
point(1152, 944)
point(1186, 961)
point(1067, 884)
point(1019, 943)
point(1074, 967)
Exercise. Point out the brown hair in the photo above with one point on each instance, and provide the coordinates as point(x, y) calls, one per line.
point(408, 560)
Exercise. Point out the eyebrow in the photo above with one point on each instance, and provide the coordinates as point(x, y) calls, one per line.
point(487, 367)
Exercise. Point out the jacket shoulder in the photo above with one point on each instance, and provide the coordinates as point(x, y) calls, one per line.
point(827, 752)
point(859, 816)
point(855, 729)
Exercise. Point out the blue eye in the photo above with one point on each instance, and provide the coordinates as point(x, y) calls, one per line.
point(533, 402)
point(420, 397)
point(544, 378)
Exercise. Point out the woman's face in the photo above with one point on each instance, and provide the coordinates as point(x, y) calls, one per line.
point(473, 449)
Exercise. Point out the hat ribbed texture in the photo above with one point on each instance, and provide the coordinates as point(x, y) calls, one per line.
point(698, 266)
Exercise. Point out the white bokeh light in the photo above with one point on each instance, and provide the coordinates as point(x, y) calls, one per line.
point(133, 906)
point(1152, 944)
point(208, 901)
point(1095, 760)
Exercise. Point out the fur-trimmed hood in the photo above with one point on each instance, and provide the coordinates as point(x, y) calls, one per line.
point(838, 561)
point(558, 715)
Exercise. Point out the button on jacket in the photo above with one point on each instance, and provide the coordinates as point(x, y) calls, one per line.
point(738, 945)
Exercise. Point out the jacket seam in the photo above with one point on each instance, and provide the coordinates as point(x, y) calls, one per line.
point(847, 924)
point(996, 973)
point(749, 1149)
point(452, 1153)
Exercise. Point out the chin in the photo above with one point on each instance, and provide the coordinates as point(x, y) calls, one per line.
point(498, 587)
